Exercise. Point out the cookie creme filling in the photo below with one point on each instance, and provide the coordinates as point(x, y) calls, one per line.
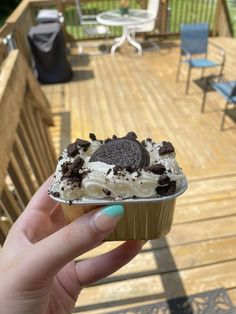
point(77, 177)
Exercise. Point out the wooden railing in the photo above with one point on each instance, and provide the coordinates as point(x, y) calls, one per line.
point(3, 51)
point(27, 153)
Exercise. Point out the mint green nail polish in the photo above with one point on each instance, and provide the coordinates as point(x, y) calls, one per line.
point(113, 210)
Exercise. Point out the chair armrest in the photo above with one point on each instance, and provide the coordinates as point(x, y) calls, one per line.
point(221, 51)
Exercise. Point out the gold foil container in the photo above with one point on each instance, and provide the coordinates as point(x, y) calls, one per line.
point(143, 219)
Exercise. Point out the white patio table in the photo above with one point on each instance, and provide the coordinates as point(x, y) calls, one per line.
point(134, 17)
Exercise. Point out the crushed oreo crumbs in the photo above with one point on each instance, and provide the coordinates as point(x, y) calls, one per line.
point(92, 136)
point(166, 148)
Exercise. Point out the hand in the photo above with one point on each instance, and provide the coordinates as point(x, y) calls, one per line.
point(37, 271)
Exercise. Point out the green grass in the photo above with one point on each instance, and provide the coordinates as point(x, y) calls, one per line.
point(92, 8)
point(232, 13)
point(181, 11)
point(2, 21)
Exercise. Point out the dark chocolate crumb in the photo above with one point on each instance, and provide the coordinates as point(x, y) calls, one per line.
point(70, 203)
point(72, 171)
point(166, 148)
point(82, 143)
point(72, 149)
point(149, 139)
point(129, 169)
point(166, 190)
point(164, 179)
point(107, 192)
point(60, 158)
point(65, 168)
point(107, 140)
point(114, 137)
point(143, 143)
point(75, 167)
point(131, 136)
point(134, 196)
point(172, 187)
point(157, 169)
point(117, 169)
point(62, 188)
point(138, 174)
point(92, 136)
point(56, 194)
point(109, 171)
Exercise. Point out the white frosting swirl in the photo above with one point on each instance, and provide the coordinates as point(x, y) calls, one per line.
point(100, 182)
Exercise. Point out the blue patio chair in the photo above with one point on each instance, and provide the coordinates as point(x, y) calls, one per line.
point(194, 42)
point(228, 91)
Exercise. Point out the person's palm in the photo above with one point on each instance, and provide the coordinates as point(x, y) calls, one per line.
point(37, 271)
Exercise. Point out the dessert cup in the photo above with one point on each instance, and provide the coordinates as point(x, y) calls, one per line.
point(144, 218)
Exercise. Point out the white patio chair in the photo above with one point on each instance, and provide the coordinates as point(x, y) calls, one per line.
point(153, 6)
point(91, 27)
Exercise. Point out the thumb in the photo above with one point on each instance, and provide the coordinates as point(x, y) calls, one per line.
point(83, 234)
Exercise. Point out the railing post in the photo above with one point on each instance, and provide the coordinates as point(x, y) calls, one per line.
point(143, 4)
point(60, 8)
point(163, 12)
point(217, 15)
point(222, 24)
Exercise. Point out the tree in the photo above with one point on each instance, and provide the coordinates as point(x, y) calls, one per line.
point(6, 7)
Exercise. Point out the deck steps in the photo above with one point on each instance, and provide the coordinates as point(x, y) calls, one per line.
point(199, 254)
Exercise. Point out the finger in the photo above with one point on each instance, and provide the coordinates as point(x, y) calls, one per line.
point(93, 269)
point(73, 240)
point(41, 201)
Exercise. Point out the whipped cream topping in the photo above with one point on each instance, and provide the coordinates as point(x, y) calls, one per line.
point(99, 180)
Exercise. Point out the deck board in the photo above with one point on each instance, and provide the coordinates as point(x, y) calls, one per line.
point(113, 95)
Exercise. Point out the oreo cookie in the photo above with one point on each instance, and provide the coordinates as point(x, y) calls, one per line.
point(125, 152)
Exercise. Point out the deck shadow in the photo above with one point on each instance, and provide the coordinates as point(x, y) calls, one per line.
point(79, 60)
point(110, 304)
point(82, 75)
point(175, 277)
point(168, 284)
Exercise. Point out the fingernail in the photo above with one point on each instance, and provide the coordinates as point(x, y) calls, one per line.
point(108, 217)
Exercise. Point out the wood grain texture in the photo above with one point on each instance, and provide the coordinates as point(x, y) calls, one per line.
point(28, 156)
point(114, 95)
point(11, 208)
point(3, 51)
point(11, 100)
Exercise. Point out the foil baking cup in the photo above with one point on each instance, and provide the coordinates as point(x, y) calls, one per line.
point(143, 219)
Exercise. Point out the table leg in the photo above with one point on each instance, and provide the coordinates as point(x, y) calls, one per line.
point(126, 36)
point(119, 41)
point(134, 43)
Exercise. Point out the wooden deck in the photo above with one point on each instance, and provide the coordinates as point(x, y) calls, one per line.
point(112, 95)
